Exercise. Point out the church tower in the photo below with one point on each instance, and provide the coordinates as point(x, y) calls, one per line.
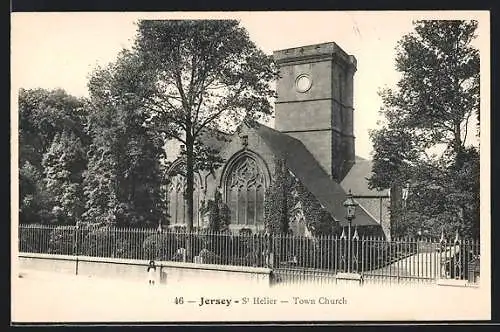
point(315, 103)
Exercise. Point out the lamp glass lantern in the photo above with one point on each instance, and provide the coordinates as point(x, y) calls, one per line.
point(350, 205)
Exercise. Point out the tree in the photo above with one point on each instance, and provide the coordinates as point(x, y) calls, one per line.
point(318, 220)
point(123, 181)
point(439, 89)
point(35, 202)
point(43, 114)
point(63, 166)
point(284, 194)
point(219, 215)
point(279, 200)
point(429, 111)
point(201, 74)
point(99, 186)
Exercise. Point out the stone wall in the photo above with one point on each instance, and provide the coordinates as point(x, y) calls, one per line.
point(135, 270)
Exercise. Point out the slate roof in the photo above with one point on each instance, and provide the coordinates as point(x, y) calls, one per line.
point(357, 181)
point(302, 163)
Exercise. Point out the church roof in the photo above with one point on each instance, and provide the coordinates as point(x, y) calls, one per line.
point(302, 163)
point(357, 179)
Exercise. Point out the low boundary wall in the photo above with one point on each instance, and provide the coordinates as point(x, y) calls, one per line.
point(175, 272)
point(135, 270)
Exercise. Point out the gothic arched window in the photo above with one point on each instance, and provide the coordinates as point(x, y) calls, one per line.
point(177, 208)
point(245, 187)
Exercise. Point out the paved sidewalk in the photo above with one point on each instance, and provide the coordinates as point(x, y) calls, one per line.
point(51, 297)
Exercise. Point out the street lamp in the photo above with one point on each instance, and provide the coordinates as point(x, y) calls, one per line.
point(350, 205)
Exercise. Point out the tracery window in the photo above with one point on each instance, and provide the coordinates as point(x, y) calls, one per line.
point(177, 208)
point(245, 187)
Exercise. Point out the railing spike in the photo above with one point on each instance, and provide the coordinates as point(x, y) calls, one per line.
point(343, 236)
point(456, 237)
point(355, 236)
point(442, 238)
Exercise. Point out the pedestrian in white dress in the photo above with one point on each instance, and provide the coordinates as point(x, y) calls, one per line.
point(151, 273)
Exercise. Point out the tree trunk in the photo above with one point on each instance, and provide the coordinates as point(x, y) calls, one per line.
point(457, 142)
point(188, 194)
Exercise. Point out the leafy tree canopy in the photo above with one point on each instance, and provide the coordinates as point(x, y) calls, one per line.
point(193, 75)
point(42, 114)
point(49, 120)
point(430, 111)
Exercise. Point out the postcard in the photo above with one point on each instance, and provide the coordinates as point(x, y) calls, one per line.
point(250, 166)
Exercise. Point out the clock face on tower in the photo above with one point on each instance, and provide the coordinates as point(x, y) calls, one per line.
point(303, 83)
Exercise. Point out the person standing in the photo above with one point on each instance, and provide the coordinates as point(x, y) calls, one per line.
point(151, 273)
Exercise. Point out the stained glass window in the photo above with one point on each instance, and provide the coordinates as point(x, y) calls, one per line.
point(245, 192)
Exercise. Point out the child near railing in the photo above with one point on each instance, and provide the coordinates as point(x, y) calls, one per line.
point(151, 273)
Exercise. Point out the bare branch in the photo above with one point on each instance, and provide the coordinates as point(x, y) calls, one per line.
point(198, 109)
point(218, 113)
point(168, 133)
point(466, 129)
point(208, 120)
point(184, 100)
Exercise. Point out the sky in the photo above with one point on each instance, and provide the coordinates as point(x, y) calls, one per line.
point(60, 50)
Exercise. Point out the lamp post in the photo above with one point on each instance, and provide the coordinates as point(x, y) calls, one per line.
point(350, 205)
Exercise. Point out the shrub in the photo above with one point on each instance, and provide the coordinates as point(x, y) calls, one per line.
point(458, 266)
point(179, 228)
point(178, 256)
point(165, 246)
point(62, 240)
point(299, 251)
point(161, 246)
point(219, 215)
point(105, 242)
point(254, 258)
point(210, 257)
point(207, 239)
point(249, 249)
point(242, 243)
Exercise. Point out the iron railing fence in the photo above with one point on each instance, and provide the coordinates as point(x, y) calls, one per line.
point(292, 258)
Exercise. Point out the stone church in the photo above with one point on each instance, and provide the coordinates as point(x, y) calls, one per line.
point(313, 134)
